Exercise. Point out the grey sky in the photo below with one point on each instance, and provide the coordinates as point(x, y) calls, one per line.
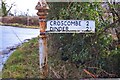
point(22, 6)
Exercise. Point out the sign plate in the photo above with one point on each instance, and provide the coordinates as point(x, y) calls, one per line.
point(70, 26)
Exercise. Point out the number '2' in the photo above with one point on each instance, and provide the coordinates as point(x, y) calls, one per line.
point(87, 23)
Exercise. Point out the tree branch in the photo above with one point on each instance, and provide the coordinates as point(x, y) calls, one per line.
point(89, 73)
point(113, 11)
point(103, 71)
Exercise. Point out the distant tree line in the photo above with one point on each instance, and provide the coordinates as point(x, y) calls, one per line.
point(33, 21)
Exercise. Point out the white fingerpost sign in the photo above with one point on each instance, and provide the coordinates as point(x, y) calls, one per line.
point(70, 26)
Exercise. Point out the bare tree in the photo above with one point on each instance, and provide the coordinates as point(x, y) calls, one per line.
point(5, 11)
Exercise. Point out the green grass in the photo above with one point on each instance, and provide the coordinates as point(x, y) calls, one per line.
point(24, 63)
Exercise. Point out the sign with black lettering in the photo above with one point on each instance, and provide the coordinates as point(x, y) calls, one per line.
point(70, 26)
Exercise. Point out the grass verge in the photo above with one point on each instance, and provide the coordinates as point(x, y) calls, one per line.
point(24, 63)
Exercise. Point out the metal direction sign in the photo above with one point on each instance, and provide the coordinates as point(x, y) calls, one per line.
point(70, 26)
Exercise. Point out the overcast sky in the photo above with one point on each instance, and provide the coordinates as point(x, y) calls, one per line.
point(23, 6)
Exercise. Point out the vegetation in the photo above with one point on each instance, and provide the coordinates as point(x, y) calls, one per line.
point(99, 52)
point(20, 21)
point(23, 63)
point(0, 12)
point(18, 25)
point(4, 7)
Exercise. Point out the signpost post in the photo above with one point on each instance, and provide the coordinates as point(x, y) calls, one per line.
point(42, 8)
